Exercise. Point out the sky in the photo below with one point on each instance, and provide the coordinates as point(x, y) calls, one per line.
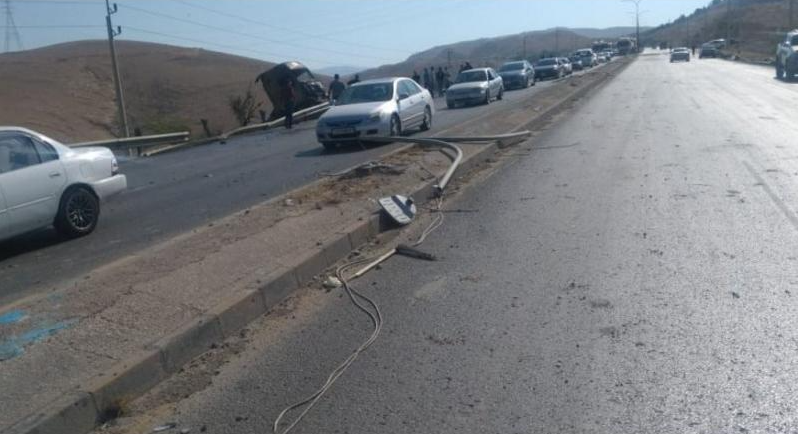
point(323, 33)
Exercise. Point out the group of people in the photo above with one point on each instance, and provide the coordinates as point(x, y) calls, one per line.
point(437, 81)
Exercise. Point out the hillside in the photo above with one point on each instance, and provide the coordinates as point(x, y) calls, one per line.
point(66, 90)
point(754, 27)
point(487, 51)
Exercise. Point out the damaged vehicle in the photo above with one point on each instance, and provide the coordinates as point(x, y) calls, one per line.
point(43, 183)
point(309, 90)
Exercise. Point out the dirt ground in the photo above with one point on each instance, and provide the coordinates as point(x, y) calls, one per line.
point(66, 90)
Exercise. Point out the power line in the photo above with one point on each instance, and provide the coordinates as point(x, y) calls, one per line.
point(285, 29)
point(249, 35)
point(67, 26)
point(214, 44)
point(12, 33)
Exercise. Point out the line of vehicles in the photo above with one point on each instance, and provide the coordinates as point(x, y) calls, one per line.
point(390, 107)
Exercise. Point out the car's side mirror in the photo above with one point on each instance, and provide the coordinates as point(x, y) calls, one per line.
point(403, 95)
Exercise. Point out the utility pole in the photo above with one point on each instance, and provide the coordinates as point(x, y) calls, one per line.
point(524, 46)
point(449, 57)
point(637, 22)
point(120, 101)
point(792, 17)
point(12, 33)
point(728, 22)
point(557, 40)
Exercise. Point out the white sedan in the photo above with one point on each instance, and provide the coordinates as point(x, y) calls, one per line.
point(43, 183)
point(383, 107)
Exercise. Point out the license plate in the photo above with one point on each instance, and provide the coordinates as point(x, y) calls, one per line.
point(342, 131)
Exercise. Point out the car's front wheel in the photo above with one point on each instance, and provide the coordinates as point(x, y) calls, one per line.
point(78, 212)
point(426, 124)
point(500, 95)
point(487, 97)
point(779, 70)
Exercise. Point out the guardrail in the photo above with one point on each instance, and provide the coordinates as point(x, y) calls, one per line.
point(298, 116)
point(136, 144)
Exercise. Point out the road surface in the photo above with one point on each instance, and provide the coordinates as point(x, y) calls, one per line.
point(174, 193)
point(633, 272)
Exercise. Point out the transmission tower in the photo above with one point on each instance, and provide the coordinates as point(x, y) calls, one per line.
point(12, 33)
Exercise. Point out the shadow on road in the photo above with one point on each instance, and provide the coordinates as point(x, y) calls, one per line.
point(29, 242)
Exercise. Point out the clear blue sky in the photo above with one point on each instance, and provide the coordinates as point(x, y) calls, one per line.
point(325, 32)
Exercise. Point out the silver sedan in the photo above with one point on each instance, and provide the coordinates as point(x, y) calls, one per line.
point(384, 107)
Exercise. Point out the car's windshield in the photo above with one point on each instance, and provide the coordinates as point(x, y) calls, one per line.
point(515, 66)
point(470, 76)
point(362, 93)
point(547, 62)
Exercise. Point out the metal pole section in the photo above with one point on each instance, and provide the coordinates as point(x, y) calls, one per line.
point(120, 101)
point(792, 17)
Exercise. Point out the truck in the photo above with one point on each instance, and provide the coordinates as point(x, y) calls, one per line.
point(309, 90)
point(626, 46)
point(787, 56)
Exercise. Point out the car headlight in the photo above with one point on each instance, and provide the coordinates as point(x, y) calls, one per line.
point(373, 118)
point(482, 90)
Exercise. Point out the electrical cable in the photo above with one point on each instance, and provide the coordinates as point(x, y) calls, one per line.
point(285, 29)
point(375, 315)
point(248, 35)
point(214, 44)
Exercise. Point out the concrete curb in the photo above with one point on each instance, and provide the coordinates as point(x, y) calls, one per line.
point(81, 410)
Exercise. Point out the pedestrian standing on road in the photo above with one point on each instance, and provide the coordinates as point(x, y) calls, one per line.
point(468, 65)
point(354, 80)
point(427, 80)
point(447, 79)
point(693, 50)
point(336, 88)
point(289, 98)
point(439, 80)
point(416, 77)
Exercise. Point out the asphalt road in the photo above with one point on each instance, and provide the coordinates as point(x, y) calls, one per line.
point(633, 272)
point(174, 193)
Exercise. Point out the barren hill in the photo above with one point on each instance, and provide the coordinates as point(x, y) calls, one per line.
point(487, 51)
point(66, 90)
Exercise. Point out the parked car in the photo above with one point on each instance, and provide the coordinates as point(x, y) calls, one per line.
point(383, 107)
point(589, 59)
point(519, 74)
point(680, 54)
point(708, 50)
point(787, 56)
point(565, 63)
point(44, 183)
point(601, 57)
point(548, 68)
point(479, 85)
point(576, 63)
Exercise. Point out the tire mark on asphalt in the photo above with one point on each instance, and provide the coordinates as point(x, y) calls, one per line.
point(773, 197)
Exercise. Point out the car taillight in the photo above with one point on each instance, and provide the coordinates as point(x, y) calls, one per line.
point(114, 167)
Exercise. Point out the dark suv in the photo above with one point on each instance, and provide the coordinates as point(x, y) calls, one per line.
point(787, 56)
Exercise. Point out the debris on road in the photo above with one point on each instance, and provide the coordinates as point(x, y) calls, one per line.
point(332, 282)
point(372, 168)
